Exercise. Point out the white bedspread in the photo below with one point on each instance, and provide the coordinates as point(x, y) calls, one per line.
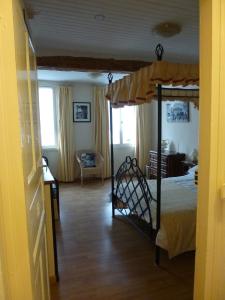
point(178, 214)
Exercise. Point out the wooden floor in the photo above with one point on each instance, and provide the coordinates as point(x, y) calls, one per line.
point(104, 258)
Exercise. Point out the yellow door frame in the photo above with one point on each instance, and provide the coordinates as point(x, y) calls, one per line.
point(210, 249)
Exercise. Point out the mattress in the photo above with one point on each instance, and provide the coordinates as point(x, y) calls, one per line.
point(178, 214)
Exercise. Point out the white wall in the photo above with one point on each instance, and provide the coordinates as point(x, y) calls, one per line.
point(183, 137)
point(83, 132)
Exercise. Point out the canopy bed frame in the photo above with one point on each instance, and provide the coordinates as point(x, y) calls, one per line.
point(130, 190)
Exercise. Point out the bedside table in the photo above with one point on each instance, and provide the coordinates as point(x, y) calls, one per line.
point(187, 165)
point(170, 164)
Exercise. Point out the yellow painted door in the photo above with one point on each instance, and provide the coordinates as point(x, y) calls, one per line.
point(210, 248)
point(22, 222)
point(31, 151)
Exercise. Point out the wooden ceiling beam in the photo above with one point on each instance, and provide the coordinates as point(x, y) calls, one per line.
point(70, 63)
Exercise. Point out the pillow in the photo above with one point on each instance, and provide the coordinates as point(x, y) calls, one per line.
point(88, 160)
point(193, 169)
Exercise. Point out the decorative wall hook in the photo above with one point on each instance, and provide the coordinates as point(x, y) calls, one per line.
point(159, 50)
point(110, 78)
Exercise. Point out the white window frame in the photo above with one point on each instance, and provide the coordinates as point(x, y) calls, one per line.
point(121, 144)
point(55, 112)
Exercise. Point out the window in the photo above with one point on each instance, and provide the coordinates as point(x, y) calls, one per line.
point(47, 117)
point(124, 125)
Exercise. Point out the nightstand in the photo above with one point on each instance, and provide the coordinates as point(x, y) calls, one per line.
point(170, 164)
point(187, 165)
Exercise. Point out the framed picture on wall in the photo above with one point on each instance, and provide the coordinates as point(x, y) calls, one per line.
point(81, 112)
point(177, 111)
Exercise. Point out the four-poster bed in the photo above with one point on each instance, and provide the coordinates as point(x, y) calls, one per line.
point(132, 195)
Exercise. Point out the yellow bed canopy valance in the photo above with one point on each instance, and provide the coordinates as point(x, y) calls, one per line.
point(141, 86)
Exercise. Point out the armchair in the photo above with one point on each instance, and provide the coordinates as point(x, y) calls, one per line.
point(91, 163)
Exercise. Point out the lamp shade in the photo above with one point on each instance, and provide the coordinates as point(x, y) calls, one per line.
point(194, 155)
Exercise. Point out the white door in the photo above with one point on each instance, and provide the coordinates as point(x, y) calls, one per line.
point(210, 253)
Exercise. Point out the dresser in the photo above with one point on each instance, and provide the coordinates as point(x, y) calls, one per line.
point(171, 164)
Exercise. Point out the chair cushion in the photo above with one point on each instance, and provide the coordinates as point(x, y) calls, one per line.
point(88, 160)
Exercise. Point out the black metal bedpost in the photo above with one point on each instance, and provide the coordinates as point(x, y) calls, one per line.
point(110, 79)
point(159, 53)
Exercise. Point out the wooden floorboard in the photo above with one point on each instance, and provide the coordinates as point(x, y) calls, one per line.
point(104, 258)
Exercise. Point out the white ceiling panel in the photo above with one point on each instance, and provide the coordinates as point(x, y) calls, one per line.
point(69, 27)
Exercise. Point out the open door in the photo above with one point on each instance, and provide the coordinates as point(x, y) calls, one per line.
point(210, 253)
point(22, 222)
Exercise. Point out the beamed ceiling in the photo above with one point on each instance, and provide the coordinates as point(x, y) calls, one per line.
point(70, 28)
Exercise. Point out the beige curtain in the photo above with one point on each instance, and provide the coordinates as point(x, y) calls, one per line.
point(143, 134)
point(140, 86)
point(66, 138)
point(101, 127)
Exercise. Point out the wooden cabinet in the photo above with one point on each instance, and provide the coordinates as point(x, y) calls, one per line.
point(171, 164)
point(50, 210)
point(186, 165)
